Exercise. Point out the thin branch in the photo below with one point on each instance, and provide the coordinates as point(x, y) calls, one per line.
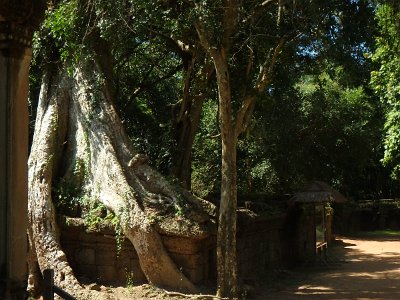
point(258, 10)
point(171, 73)
point(151, 84)
point(126, 23)
point(124, 58)
point(178, 46)
point(267, 69)
point(201, 32)
point(267, 2)
point(244, 114)
point(248, 103)
point(250, 62)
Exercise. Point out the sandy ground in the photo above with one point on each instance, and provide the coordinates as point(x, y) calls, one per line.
point(357, 268)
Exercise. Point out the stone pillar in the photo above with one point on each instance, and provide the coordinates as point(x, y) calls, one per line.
point(17, 20)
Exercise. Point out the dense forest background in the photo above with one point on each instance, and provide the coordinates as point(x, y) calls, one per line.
point(318, 120)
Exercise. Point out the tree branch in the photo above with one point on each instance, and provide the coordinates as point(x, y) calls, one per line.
point(198, 297)
point(230, 21)
point(267, 69)
point(244, 113)
point(258, 10)
point(267, 2)
point(151, 84)
point(201, 32)
point(177, 46)
point(186, 90)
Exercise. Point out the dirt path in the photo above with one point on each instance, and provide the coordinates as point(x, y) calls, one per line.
point(361, 268)
point(357, 269)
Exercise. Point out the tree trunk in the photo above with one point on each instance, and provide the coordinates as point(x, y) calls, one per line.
point(232, 125)
point(186, 128)
point(50, 132)
point(226, 239)
point(89, 133)
point(226, 246)
point(187, 120)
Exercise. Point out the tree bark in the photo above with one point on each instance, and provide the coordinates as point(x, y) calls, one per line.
point(50, 131)
point(226, 246)
point(88, 130)
point(227, 280)
point(187, 120)
point(186, 128)
point(232, 125)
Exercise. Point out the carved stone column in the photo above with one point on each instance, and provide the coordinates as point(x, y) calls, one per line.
point(17, 20)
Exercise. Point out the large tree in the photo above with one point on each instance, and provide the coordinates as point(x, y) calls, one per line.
point(80, 145)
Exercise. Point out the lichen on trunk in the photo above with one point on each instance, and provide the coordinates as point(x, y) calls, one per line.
point(80, 142)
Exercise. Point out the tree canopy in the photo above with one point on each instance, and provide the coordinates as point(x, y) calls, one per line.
point(385, 78)
point(158, 67)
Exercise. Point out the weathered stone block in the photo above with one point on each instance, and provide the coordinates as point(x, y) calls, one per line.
point(86, 256)
point(182, 245)
point(88, 237)
point(71, 233)
point(195, 275)
point(190, 261)
point(89, 271)
point(105, 256)
point(107, 273)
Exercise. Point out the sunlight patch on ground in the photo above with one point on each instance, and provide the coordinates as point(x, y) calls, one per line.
point(311, 290)
point(365, 275)
point(394, 274)
point(367, 270)
point(381, 248)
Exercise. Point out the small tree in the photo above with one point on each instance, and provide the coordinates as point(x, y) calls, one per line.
point(245, 41)
point(231, 32)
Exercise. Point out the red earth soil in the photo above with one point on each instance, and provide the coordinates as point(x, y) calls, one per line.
point(357, 268)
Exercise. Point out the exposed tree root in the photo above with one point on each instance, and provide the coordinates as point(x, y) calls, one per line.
point(199, 297)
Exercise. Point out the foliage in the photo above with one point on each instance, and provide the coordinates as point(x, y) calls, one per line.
point(207, 154)
point(331, 132)
point(385, 80)
point(71, 200)
point(316, 120)
point(297, 69)
point(338, 122)
point(145, 74)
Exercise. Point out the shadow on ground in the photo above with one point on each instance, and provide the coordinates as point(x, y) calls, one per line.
point(357, 268)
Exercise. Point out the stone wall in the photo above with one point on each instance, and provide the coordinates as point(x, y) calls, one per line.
point(301, 225)
point(100, 256)
point(367, 215)
point(94, 255)
point(196, 258)
point(261, 244)
point(264, 243)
